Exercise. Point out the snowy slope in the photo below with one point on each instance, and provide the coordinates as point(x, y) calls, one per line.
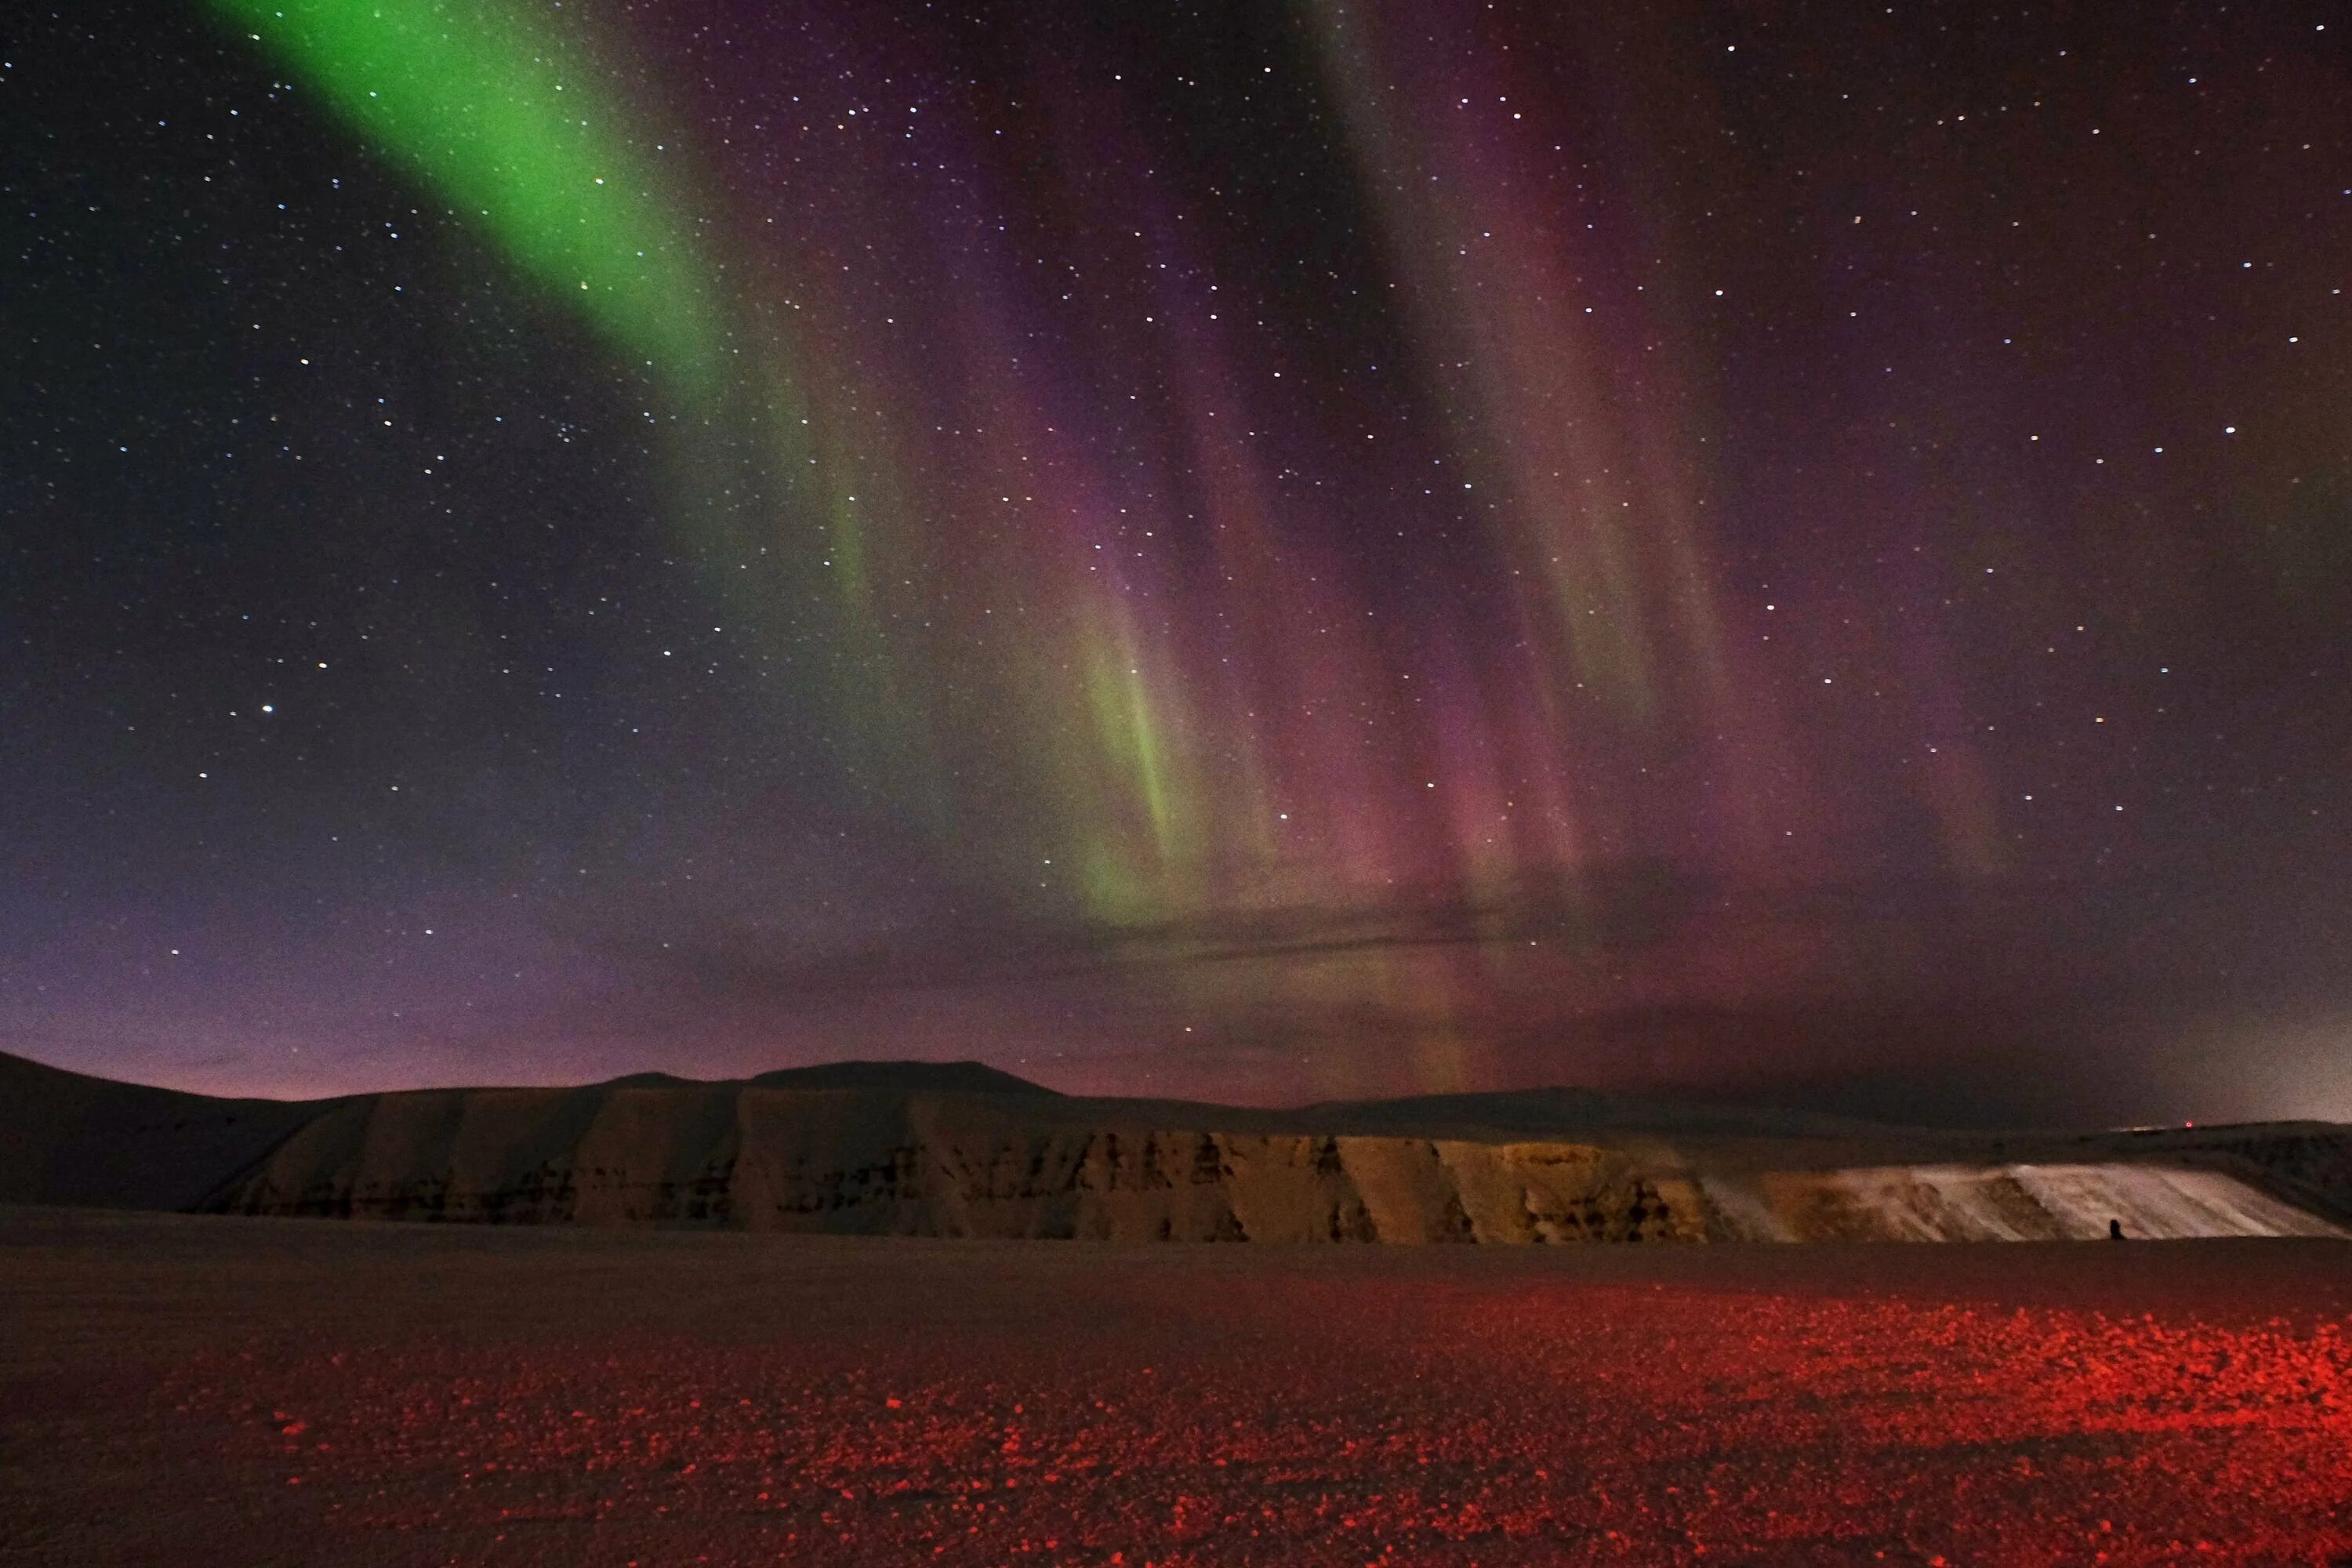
point(1997, 1203)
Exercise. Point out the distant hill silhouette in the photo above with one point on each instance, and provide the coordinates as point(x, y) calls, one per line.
point(69, 1138)
point(905, 1077)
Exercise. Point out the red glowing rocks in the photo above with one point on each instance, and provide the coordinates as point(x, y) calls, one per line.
point(873, 1404)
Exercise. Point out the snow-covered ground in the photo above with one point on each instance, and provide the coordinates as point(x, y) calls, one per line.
point(2000, 1203)
point(543, 1396)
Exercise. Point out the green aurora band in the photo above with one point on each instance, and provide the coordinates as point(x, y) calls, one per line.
point(505, 119)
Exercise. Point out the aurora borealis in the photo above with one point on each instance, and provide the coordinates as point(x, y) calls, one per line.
point(1251, 551)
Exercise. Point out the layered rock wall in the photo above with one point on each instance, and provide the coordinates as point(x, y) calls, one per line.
point(960, 1150)
point(757, 1160)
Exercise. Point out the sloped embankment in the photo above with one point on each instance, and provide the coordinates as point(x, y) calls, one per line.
point(2073, 1202)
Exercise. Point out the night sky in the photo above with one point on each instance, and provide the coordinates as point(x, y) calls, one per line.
point(1260, 549)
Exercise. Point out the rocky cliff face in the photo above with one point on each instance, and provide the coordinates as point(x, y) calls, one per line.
point(901, 1149)
point(767, 1160)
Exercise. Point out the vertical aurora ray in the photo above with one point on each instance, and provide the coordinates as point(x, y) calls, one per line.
point(1128, 846)
point(1586, 510)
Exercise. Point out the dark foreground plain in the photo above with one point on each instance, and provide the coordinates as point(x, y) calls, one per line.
point(184, 1390)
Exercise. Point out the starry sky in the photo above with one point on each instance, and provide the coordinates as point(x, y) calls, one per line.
point(1260, 549)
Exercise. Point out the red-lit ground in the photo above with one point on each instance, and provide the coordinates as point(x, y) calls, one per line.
point(179, 1391)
